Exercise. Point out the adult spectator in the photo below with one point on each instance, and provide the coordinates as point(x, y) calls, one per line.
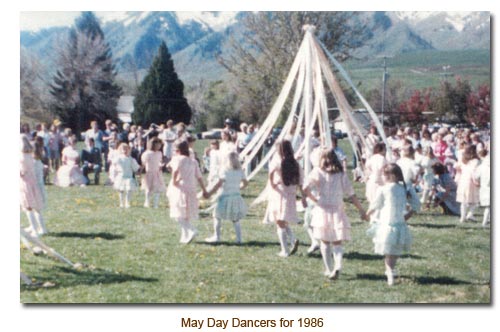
point(108, 124)
point(90, 158)
point(168, 136)
point(240, 140)
point(95, 133)
point(123, 136)
point(55, 143)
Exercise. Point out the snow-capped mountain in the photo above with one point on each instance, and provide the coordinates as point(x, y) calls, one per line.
point(195, 38)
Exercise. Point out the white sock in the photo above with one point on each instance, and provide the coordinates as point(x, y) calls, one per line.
point(146, 201)
point(156, 200)
point(425, 195)
point(326, 253)
point(314, 242)
point(127, 199)
point(486, 216)
point(283, 241)
point(184, 232)
point(338, 253)
point(463, 212)
point(32, 221)
point(237, 230)
point(470, 214)
point(41, 229)
point(121, 198)
point(217, 223)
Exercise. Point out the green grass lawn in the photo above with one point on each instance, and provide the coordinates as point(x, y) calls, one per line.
point(133, 255)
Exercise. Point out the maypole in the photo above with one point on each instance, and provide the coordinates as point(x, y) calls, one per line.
point(309, 110)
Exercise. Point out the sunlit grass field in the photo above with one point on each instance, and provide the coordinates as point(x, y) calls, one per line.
point(134, 256)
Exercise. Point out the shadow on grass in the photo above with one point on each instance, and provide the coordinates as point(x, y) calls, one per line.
point(102, 235)
point(68, 277)
point(441, 280)
point(260, 244)
point(374, 257)
point(437, 226)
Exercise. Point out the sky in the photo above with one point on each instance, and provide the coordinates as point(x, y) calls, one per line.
point(36, 20)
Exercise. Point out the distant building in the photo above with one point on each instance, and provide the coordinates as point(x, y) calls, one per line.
point(125, 108)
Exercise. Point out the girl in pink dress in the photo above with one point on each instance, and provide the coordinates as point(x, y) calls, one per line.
point(181, 191)
point(467, 188)
point(31, 196)
point(70, 174)
point(285, 176)
point(374, 170)
point(329, 220)
point(152, 181)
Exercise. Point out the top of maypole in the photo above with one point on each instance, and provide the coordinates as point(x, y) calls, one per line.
point(309, 28)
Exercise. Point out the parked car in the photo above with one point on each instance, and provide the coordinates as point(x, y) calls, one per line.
point(214, 133)
point(339, 134)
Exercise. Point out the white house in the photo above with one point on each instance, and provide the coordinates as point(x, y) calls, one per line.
point(125, 108)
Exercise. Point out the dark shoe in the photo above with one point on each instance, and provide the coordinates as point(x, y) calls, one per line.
point(334, 275)
point(295, 246)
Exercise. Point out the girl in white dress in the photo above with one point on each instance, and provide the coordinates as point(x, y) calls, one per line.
point(124, 181)
point(391, 235)
point(230, 205)
point(426, 163)
point(373, 172)
point(467, 188)
point(329, 220)
point(482, 176)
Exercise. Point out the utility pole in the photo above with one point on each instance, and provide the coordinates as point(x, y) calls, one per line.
point(384, 84)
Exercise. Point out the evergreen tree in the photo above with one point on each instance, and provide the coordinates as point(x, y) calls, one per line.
point(160, 96)
point(84, 87)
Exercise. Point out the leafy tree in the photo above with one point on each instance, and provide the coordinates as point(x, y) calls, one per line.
point(160, 96)
point(479, 106)
point(413, 109)
point(451, 101)
point(395, 94)
point(220, 103)
point(262, 54)
point(84, 87)
point(33, 101)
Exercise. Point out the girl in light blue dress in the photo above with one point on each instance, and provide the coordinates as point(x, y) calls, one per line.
point(230, 205)
point(391, 235)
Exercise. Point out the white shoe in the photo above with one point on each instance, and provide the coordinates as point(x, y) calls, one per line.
point(146, 205)
point(37, 250)
point(283, 254)
point(191, 235)
point(312, 248)
point(127, 206)
point(31, 231)
point(390, 277)
point(212, 239)
point(327, 273)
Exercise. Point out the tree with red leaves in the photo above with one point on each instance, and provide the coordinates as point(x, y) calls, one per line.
point(413, 110)
point(479, 106)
